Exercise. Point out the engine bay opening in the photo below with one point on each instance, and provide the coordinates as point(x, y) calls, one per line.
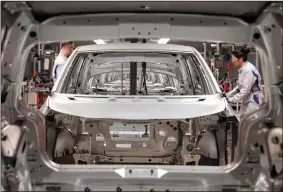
point(208, 140)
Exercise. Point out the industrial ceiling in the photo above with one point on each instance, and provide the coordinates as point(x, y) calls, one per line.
point(246, 10)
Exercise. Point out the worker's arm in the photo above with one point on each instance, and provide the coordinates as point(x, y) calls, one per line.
point(59, 70)
point(232, 92)
point(248, 81)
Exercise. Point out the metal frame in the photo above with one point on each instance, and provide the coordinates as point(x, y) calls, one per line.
point(255, 129)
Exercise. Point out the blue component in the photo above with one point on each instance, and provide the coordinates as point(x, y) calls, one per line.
point(255, 97)
point(256, 82)
point(55, 72)
point(257, 88)
point(227, 57)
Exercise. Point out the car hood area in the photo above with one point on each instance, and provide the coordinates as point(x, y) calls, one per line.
point(135, 107)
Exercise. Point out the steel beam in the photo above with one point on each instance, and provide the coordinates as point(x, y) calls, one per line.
point(174, 32)
point(205, 51)
point(218, 46)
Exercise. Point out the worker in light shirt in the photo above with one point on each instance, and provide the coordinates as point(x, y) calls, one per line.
point(248, 90)
point(65, 52)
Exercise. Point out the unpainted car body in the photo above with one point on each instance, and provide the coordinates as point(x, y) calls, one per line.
point(27, 167)
point(170, 117)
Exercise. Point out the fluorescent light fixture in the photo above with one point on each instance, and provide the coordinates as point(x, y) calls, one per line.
point(163, 40)
point(99, 41)
point(213, 45)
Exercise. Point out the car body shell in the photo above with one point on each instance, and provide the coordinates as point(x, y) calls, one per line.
point(136, 107)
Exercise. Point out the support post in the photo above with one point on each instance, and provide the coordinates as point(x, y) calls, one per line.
point(133, 75)
point(133, 78)
point(38, 60)
point(257, 60)
point(122, 78)
point(218, 48)
point(205, 51)
point(233, 47)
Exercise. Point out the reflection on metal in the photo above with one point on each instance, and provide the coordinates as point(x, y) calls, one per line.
point(262, 184)
point(65, 144)
point(207, 145)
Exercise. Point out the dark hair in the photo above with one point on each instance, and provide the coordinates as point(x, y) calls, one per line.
point(64, 44)
point(242, 53)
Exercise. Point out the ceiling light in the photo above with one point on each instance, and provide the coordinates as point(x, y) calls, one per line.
point(145, 7)
point(99, 41)
point(163, 40)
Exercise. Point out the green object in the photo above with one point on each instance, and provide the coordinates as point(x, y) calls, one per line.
point(216, 55)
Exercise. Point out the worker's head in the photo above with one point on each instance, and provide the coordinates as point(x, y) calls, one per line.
point(67, 48)
point(240, 56)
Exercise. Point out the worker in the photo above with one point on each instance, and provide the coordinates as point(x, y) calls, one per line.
point(248, 90)
point(65, 52)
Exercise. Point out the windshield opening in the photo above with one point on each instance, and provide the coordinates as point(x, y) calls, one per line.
point(136, 74)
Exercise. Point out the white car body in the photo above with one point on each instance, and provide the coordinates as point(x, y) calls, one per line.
point(119, 107)
point(177, 94)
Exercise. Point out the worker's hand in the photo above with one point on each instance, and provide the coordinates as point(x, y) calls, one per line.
point(228, 94)
point(230, 100)
point(226, 97)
